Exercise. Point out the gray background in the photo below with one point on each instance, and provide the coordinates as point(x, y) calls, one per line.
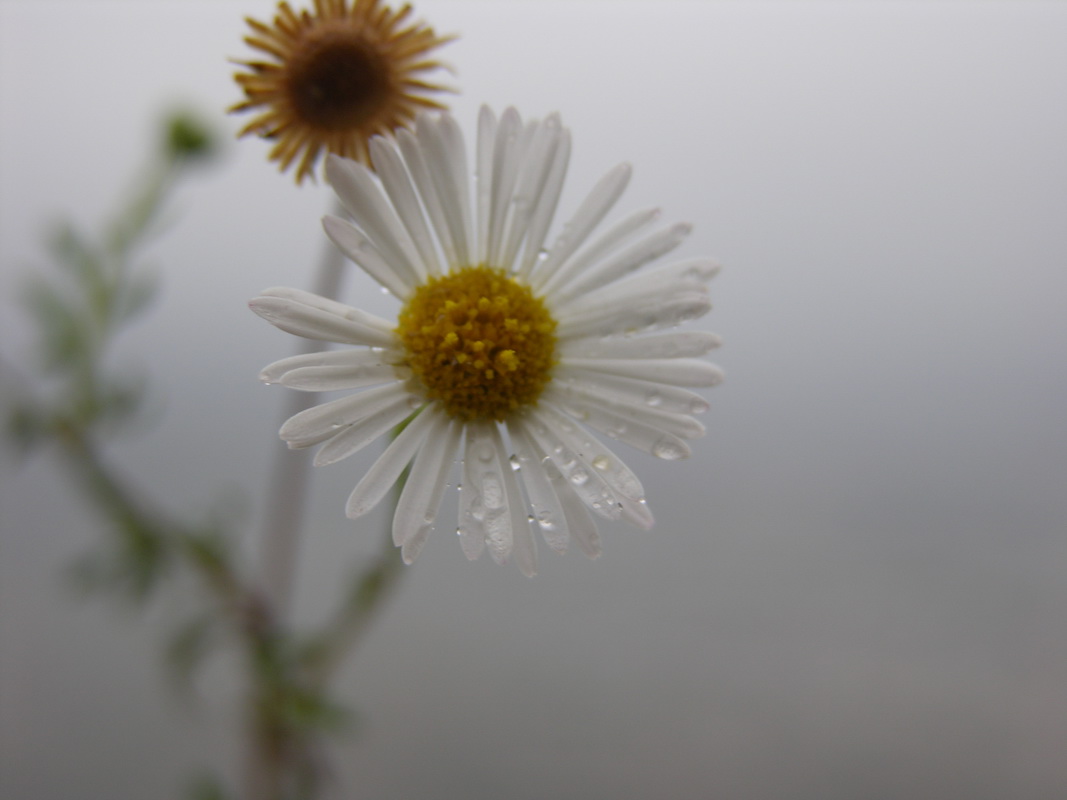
point(856, 587)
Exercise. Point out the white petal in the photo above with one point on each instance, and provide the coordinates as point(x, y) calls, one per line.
point(674, 372)
point(505, 172)
point(416, 511)
point(416, 163)
point(634, 430)
point(537, 162)
point(311, 441)
point(542, 215)
point(631, 390)
point(580, 523)
point(358, 435)
point(483, 179)
point(272, 373)
point(334, 307)
point(329, 379)
point(385, 472)
point(524, 548)
point(311, 322)
point(471, 528)
point(548, 431)
point(610, 312)
point(333, 377)
point(568, 282)
point(484, 468)
point(612, 238)
point(682, 276)
point(445, 158)
point(592, 210)
point(607, 315)
point(589, 404)
point(604, 465)
point(675, 344)
point(389, 165)
point(351, 241)
point(547, 512)
point(363, 198)
point(336, 414)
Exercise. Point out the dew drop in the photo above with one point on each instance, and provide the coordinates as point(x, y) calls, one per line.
point(668, 449)
point(579, 477)
point(602, 462)
point(516, 465)
point(545, 521)
point(654, 398)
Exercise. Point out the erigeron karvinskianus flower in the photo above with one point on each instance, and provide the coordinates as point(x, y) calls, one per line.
point(338, 75)
point(508, 350)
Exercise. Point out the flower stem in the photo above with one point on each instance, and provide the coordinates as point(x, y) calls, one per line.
point(287, 493)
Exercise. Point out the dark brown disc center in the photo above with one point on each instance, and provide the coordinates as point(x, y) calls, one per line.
point(337, 81)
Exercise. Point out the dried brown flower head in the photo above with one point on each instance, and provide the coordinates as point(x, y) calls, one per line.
point(340, 74)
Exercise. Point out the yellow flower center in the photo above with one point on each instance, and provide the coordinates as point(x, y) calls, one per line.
point(337, 79)
point(479, 343)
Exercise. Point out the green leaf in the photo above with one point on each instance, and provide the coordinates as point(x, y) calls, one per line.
point(66, 336)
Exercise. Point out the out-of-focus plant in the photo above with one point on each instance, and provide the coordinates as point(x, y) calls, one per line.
point(79, 397)
point(73, 403)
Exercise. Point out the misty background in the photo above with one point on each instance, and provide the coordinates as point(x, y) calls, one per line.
point(856, 587)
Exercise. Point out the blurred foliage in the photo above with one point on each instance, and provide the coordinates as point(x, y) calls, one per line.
point(78, 399)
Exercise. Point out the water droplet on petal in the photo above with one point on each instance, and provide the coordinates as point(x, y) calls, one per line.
point(545, 521)
point(654, 398)
point(516, 465)
point(602, 462)
point(668, 449)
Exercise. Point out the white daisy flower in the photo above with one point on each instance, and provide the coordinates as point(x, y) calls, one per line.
point(508, 350)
